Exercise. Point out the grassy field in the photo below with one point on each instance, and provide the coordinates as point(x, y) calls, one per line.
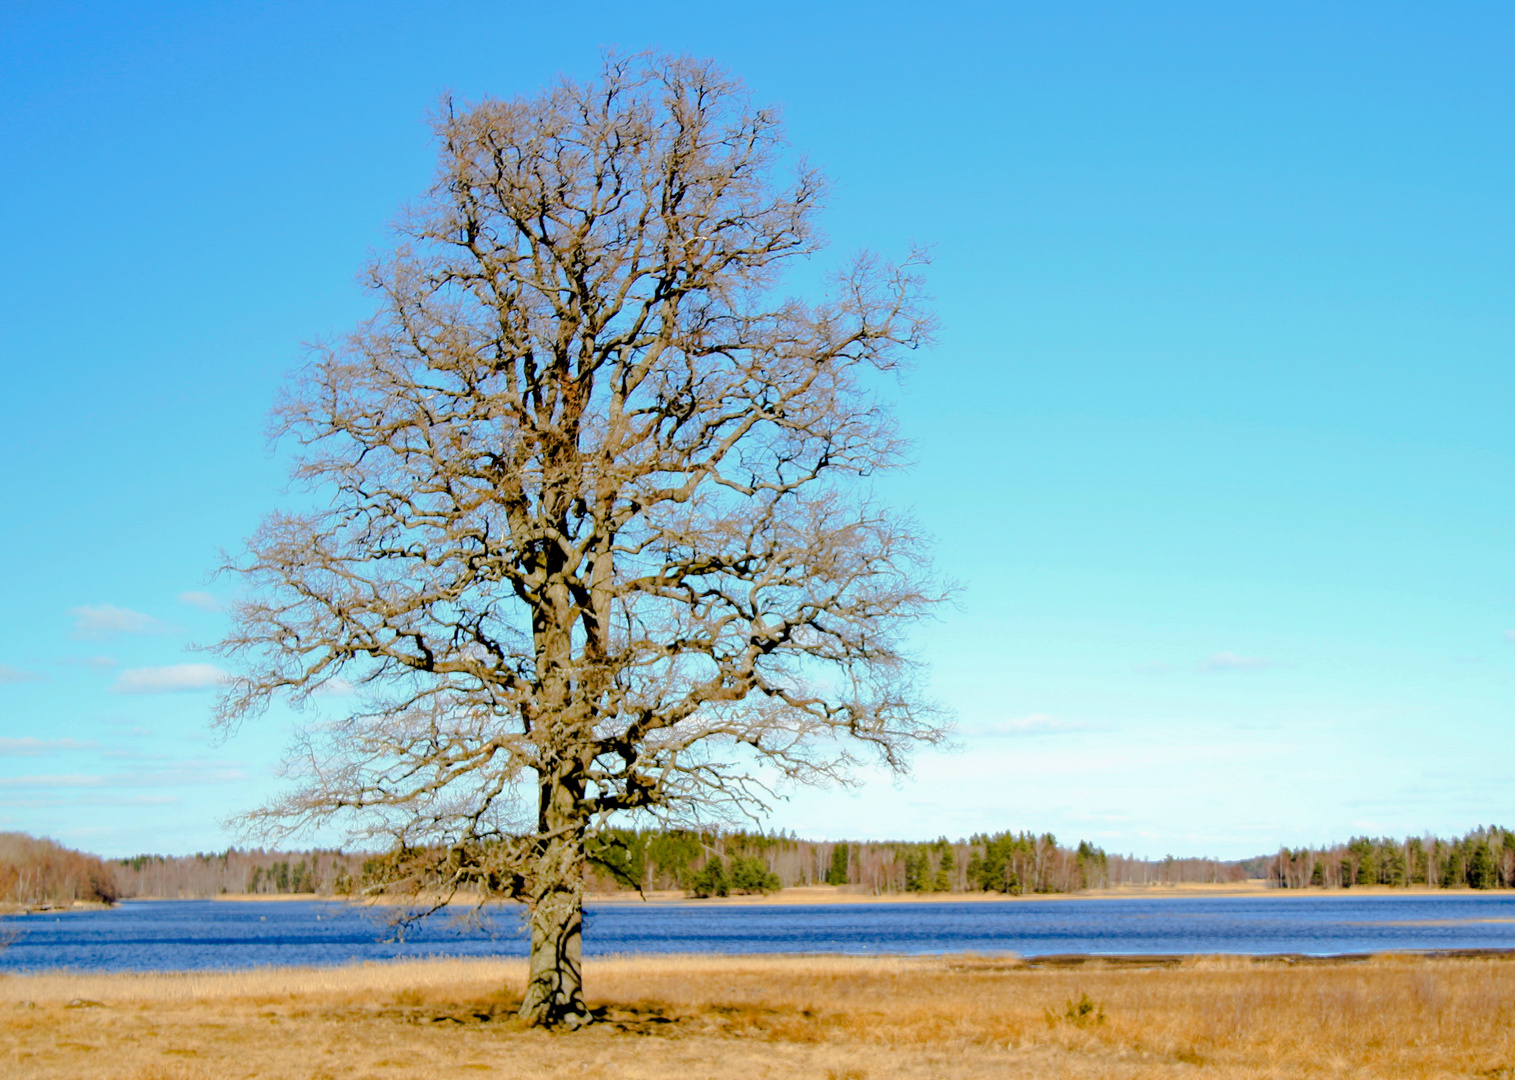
point(822, 1018)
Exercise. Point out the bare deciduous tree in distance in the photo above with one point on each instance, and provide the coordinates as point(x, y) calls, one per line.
point(594, 533)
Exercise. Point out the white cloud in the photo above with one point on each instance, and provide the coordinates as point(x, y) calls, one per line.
point(202, 600)
point(1034, 724)
point(9, 674)
point(100, 621)
point(1509, 635)
point(173, 679)
point(337, 687)
point(28, 746)
point(1230, 661)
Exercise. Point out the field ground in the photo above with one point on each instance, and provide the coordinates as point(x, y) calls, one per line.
point(821, 1018)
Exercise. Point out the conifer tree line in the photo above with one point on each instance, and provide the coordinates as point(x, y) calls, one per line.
point(1482, 859)
point(717, 863)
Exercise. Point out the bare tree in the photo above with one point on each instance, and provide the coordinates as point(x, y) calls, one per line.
point(593, 534)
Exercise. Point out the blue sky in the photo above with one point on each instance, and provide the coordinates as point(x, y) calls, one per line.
point(1217, 434)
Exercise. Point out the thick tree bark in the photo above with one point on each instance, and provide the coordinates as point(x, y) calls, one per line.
point(555, 985)
point(555, 905)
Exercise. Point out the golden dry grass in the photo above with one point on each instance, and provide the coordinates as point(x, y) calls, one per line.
point(752, 1017)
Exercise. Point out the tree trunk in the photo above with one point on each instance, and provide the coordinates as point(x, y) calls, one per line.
point(555, 902)
point(555, 985)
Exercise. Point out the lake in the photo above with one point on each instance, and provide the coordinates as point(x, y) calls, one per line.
point(201, 934)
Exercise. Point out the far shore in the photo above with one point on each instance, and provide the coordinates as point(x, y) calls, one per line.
point(852, 894)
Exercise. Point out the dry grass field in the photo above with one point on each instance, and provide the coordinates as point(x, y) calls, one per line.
point(751, 1017)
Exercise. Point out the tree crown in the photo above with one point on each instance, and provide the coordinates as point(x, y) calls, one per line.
point(593, 518)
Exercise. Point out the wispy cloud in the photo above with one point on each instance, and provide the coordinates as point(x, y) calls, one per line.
point(1035, 724)
point(9, 674)
point(191, 772)
point(173, 679)
point(22, 801)
point(203, 600)
point(131, 722)
point(1509, 635)
point(101, 621)
point(86, 796)
point(1230, 661)
point(57, 780)
point(137, 800)
point(99, 663)
point(26, 746)
point(137, 756)
point(337, 687)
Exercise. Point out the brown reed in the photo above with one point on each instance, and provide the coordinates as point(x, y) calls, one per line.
point(834, 1017)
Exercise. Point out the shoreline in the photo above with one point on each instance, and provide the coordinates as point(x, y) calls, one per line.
point(966, 961)
point(73, 907)
point(846, 895)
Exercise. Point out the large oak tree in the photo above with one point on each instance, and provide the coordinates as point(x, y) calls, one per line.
point(592, 532)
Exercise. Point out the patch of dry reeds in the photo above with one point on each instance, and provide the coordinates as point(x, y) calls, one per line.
point(832, 1017)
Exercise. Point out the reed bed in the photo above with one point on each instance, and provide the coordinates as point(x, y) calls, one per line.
point(837, 1018)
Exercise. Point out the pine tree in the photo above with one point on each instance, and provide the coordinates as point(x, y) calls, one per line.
point(839, 871)
point(944, 867)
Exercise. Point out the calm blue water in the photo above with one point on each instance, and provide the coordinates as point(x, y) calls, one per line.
point(196, 934)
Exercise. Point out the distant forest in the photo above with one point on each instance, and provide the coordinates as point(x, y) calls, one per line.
point(40, 873)
point(1006, 862)
point(253, 872)
point(1483, 859)
point(719, 863)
